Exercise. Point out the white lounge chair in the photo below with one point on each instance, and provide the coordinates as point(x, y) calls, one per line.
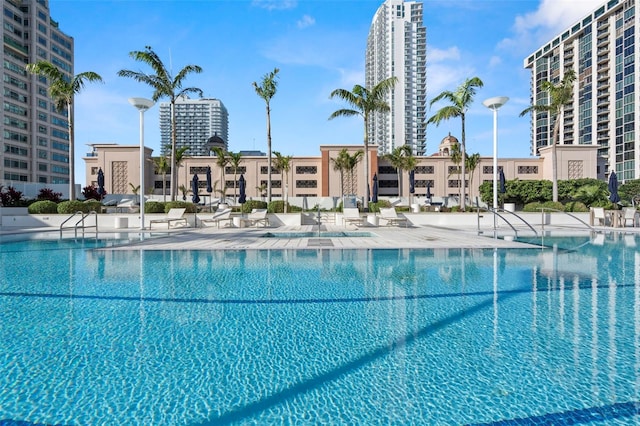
point(125, 205)
point(599, 215)
point(219, 216)
point(392, 218)
point(173, 216)
point(256, 217)
point(629, 213)
point(351, 215)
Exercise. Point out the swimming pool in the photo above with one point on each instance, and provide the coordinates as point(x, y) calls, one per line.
point(439, 336)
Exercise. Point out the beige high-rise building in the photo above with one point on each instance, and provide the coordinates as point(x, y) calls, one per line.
point(601, 48)
point(35, 137)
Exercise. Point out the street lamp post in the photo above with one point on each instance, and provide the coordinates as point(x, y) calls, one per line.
point(494, 104)
point(141, 104)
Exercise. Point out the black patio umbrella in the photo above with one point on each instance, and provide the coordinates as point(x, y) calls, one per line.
point(101, 190)
point(374, 196)
point(502, 188)
point(428, 190)
point(209, 188)
point(412, 182)
point(194, 188)
point(613, 188)
point(242, 185)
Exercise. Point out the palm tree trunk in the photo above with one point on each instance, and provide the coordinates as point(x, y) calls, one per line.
point(554, 163)
point(174, 171)
point(366, 167)
point(463, 185)
point(72, 170)
point(269, 154)
point(164, 187)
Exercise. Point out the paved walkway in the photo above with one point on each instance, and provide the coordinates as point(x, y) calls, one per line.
point(378, 238)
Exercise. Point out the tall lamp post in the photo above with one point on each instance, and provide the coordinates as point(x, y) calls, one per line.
point(141, 104)
point(494, 104)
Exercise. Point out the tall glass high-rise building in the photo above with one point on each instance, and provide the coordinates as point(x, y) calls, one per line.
point(601, 49)
point(35, 137)
point(200, 125)
point(397, 46)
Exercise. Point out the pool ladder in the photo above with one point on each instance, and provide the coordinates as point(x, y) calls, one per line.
point(499, 213)
point(80, 223)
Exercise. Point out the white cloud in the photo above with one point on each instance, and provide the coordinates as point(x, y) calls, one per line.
point(306, 21)
point(439, 55)
point(275, 4)
point(494, 61)
point(446, 77)
point(552, 16)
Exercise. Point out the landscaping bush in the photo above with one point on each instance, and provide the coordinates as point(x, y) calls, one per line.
point(154, 207)
point(91, 193)
point(576, 207)
point(50, 195)
point(277, 206)
point(11, 197)
point(73, 206)
point(43, 207)
point(536, 206)
point(375, 207)
point(190, 207)
point(253, 204)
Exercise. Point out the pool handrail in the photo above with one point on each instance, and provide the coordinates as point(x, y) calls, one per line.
point(542, 209)
point(497, 212)
point(75, 227)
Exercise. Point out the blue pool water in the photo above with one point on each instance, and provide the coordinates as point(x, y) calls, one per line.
point(363, 337)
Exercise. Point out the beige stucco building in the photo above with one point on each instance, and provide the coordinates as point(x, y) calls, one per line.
point(315, 176)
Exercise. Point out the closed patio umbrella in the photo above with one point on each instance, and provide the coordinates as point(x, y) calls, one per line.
point(194, 188)
point(209, 188)
point(428, 191)
point(242, 185)
point(502, 188)
point(613, 188)
point(374, 196)
point(101, 190)
point(412, 182)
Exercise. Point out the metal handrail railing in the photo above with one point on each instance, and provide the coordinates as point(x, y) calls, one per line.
point(496, 213)
point(542, 209)
point(80, 223)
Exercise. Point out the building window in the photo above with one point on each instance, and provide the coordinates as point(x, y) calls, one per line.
point(528, 170)
point(274, 183)
point(263, 170)
point(425, 170)
point(306, 170)
point(241, 169)
point(454, 170)
point(202, 170)
point(387, 170)
point(306, 183)
point(488, 170)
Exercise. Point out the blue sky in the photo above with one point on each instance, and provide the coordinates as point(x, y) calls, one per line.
point(318, 45)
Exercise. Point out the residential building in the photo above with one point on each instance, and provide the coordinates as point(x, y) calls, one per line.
point(200, 125)
point(601, 49)
point(35, 135)
point(397, 46)
point(315, 176)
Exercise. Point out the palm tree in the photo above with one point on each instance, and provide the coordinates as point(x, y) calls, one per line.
point(456, 158)
point(283, 163)
point(351, 161)
point(164, 84)
point(162, 167)
point(234, 159)
point(398, 159)
point(364, 102)
point(472, 164)
point(222, 161)
point(266, 90)
point(340, 164)
point(560, 95)
point(62, 90)
point(460, 101)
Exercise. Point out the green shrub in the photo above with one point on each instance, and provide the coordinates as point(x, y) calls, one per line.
point(253, 204)
point(73, 206)
point(375, 207)
point(536, 206)
point(43, 207)
point(277, 206)
point(190, 207)
point(154, 207)
point(575, 207)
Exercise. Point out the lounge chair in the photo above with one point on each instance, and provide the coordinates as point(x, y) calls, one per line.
point(351, 215)
point(125, 205)
point(629, 213)
point(599, 215)
point(392, 218)
point(173, 216)
point(256, 217)
point(223, 215)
